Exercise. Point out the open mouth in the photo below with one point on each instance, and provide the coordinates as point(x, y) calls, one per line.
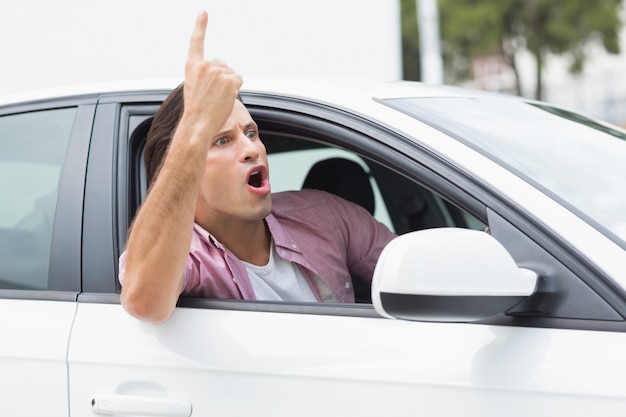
point(256, 179)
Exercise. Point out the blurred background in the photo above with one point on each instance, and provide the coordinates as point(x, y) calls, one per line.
point(567, 52)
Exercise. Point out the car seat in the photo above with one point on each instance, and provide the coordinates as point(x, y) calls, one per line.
point(347, 179)
point(342, 177)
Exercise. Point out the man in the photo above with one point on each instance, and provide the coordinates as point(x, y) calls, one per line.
point(210, 227)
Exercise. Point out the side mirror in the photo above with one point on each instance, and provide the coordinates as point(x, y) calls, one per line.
point(448, 274)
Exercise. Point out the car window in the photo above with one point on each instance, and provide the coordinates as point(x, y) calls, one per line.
point(289, 170)
point(401, 204)
point(32, 150)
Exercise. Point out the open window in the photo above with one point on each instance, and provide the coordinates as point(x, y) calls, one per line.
point(312, 152)
point(400, 203)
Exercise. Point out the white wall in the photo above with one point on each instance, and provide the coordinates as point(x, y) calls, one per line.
point(45, 43)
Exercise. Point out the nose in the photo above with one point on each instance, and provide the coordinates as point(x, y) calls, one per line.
point(249, 149)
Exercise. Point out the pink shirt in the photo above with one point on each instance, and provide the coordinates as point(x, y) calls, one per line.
point(326, 236)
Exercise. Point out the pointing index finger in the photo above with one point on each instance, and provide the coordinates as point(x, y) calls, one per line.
point(196, 44)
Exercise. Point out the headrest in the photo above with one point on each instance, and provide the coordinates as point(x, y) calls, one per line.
point(342, 177)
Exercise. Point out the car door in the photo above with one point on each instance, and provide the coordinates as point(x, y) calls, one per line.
point(43, 154)
point(236, 358)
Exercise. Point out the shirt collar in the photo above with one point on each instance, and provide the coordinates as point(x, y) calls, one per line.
point(279, 234)
point(206, 236)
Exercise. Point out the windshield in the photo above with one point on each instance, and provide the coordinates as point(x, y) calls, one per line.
point(580, 161)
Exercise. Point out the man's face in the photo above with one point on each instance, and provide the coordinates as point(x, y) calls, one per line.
point(235, 185)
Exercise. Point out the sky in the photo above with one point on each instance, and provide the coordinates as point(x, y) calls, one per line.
point(47, 43)
point(50, 43)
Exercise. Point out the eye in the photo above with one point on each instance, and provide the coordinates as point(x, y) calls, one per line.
point(221, 141)
point(251, 134)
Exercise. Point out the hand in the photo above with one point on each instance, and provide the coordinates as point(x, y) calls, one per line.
point(211, 87)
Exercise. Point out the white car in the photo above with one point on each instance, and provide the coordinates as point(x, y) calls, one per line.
point(505, 293)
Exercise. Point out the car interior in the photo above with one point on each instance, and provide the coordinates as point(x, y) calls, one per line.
point(402, 204)
point(300, 161)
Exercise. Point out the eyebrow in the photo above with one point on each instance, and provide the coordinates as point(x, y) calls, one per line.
point(226, 132)
point(250, 125)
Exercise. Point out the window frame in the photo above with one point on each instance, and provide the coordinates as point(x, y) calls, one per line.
point(298, 122)
point(106, 195)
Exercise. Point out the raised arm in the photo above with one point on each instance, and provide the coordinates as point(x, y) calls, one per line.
point(159, 241)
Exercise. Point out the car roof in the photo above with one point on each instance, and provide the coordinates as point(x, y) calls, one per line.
point(341, 91)
point(92, 89)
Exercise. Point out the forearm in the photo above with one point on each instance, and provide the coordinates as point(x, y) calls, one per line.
point(158, 244)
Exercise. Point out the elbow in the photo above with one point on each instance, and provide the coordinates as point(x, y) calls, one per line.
point(145, 308)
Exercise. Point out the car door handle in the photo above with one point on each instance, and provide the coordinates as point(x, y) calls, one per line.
point(136, 405)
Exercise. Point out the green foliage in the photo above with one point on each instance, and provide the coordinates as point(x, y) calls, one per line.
point(474, 28)
point(410, 41)
point(470, 28)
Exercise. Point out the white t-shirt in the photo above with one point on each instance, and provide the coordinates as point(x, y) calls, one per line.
point(279, 280)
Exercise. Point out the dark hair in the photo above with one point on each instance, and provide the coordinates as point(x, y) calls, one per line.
point(161, 132)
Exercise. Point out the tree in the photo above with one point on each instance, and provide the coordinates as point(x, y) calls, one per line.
point(474, 28)
point(410, 41)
